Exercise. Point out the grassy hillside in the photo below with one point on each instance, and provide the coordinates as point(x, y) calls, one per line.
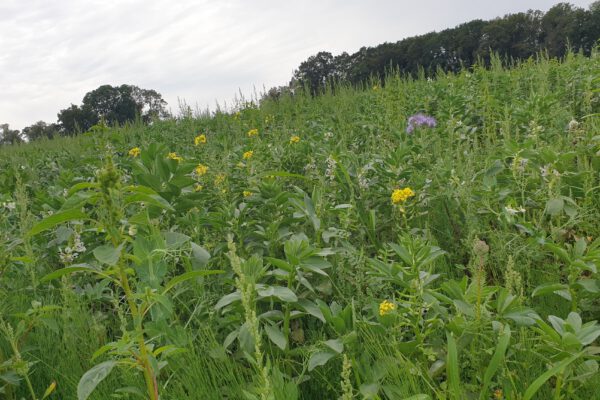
point(313, 249)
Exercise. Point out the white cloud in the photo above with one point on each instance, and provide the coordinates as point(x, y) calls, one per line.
point(52, 53)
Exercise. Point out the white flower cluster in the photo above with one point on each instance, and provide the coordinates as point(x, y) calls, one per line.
point(70, 253)
point(9, 205)
point(331, 166)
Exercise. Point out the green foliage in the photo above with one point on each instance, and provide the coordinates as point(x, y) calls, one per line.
point(159, 261)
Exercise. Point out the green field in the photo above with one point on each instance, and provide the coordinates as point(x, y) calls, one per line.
point(311, 248)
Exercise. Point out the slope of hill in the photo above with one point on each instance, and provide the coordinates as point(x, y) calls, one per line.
point(315, 248)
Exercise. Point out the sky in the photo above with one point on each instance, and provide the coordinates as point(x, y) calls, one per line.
point(198, 51)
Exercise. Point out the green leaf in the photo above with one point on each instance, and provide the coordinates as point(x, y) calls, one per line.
point(557, 369)
point(200, 256)
point(452, 368)
point(190, 275)
point(276, 336)
point(67, 270)
point(318, 359)
point(55, 219)
point(496, 360)
point(548, 289)
point(151, 199)
point(555, 206)
point(228, 299)
point(107, 254)
point(311, 308)
point(92, 378)
point(282, 293)
point(336, 345)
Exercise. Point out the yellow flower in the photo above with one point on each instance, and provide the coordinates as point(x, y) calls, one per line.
point(201, 169)
point(295, 139)
point(198, 187)
point(247, 193)
point(220, 178)
point(200, 139)
point(174, 156)
point(375, 87)
point(248, 155)
point(401, 195)
point(135, 152)
point(498, 394)
point(253, 132)
point(385, 307)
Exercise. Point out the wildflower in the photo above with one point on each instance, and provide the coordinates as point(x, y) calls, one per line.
point(513, 211)
point(78, 245)
point(331, 166)
point(253, 132)
point(295, 139)
point(420, 120)
point(132, 231)
point(200, 139)
point(198, 187)
point(375, 87)
point(247, 193)
point(498, 394)
point(219, 179)
point(401, 195)
point(573, 125)
point(174, 156)
point(385, 307)
point(135, 152)
point(328, 135)
point(10, 206)
point(201, 169)
point(248, 155)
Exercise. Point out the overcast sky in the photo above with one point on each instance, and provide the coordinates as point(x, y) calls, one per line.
point(53, 52)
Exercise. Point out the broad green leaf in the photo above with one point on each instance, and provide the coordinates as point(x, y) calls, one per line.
point(282, 293)
point(107, 254)
point(200, 256)
point(190, 275)
point(228, 299)
point(555, 206)
point(55, 219)
point(67, 270)
point(92, 378)
point(335, 344)
point(319, 358)
point(548, 289)
point(276, 336)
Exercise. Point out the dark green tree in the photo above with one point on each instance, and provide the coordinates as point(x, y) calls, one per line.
point(40, 130)
point(9, 136)
point(76, 119)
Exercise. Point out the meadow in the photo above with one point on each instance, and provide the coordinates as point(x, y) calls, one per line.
point(325, 247)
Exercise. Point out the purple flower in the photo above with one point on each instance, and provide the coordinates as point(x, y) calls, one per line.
point(420, 119)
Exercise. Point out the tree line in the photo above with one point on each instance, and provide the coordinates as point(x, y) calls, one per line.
point(106, 105)
point(514, 36)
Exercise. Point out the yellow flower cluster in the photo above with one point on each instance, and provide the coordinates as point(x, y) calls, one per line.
point(295, 139)
point(198, 187)
point(219, 179)
point(401, 195)
point(386, 307)
point(248, 155)
point(253, 132)
point(200, 139)
point(174, 156)
point(247, 193)
point(135, 152)
point(201, 169)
